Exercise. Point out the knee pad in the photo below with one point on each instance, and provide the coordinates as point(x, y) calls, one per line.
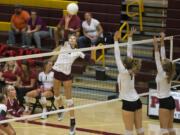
point(57, 97)
point(43, 100)
point(27, 99)
point(128, 132)
point(69, 102)
point(140, 130)
point(171, 130)
point(164, 131)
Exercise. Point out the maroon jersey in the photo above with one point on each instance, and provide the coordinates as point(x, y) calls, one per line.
point(14, 108)
point(25, 81)
point(75, 23)
point(9, 75)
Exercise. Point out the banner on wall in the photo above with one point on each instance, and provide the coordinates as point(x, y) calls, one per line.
point(153, 104)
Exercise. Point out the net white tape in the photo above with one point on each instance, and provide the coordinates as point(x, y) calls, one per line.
point(176, 60)
point(76, 50)
point(65, 110)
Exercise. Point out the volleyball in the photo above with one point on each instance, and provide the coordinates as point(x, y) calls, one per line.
point(72, 8)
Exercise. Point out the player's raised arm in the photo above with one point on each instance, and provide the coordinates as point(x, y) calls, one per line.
point(163, 52)
point(129, 44)
point(117, 52)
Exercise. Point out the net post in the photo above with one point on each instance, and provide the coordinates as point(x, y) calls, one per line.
point(171, 48)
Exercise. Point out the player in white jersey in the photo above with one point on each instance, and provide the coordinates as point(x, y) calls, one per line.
point(45, 89)
point(166, 71)
point(62, 74)
point(132, 106)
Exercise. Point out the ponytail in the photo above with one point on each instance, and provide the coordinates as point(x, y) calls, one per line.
point(136, 65)
point(133, 65)
point(170, 69)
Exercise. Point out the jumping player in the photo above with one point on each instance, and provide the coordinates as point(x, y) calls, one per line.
point(62, 74)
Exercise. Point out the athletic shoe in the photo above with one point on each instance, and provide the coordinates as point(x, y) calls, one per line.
point(44, 116)
point(72, 130)
point(60, 115)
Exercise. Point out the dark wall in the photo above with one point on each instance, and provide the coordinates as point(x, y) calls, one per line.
point(173, 21)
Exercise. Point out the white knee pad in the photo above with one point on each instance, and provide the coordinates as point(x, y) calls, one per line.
point(27, 99)
point(140, 130)
point(171, 130)
point(57, 97)
point(69, 102)
point(164, 131)
point(43, 100)
point(128, 132)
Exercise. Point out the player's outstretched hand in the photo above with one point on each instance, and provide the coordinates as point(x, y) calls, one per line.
point(155, 44)
point(133, 30)
point(116, 36)
point(162, 34)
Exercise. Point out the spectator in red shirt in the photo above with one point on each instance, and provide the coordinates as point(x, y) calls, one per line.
point(8, 74)
point(72, 25)
point(26, 81)
point(13, 107)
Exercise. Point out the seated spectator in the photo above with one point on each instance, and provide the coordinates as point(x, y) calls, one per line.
point(72, 25)
point(37, 29)
point(92, 32)
point(13, 107)
point(45, 90)
point(26, 81)
point(8, 74)
point(18, 25)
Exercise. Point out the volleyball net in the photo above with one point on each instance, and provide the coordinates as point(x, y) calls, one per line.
point(94, 84)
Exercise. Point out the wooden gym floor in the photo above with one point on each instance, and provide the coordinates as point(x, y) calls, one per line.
point(98, 120)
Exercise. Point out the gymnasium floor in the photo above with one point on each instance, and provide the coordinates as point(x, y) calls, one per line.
point(98, 120)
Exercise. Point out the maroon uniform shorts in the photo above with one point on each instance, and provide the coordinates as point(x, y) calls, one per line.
point(61, 76)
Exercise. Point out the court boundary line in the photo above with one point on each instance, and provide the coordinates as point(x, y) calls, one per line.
point(66, 127)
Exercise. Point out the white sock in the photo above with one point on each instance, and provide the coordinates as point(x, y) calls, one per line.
point(26, 108)
point(44, 110)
